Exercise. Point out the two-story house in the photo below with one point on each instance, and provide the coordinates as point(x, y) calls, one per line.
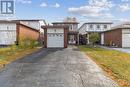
point(73, 29)
point(12, 31)
point(93, 27)
point(34, 23)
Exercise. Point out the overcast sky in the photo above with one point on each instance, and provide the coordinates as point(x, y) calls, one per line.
point(83, 10)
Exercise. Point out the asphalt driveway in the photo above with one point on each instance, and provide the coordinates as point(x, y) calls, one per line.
point(55, 68)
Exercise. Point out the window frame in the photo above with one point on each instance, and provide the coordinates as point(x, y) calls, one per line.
point(91, 26)
point(105, 26)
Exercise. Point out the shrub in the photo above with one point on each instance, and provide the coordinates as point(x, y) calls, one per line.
point(94, 37)
point(28, 43)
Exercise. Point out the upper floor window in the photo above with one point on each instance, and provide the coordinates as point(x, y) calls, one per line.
point(105, 26)
point(98, 26)
point(91, 26)
point(7, 27)
point(71, 27)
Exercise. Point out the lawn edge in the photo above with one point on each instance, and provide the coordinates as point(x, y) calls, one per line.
point(105, 69)
point(2, 66)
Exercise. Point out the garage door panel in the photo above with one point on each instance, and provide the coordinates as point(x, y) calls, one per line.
point(55, 40)
point(125, 40)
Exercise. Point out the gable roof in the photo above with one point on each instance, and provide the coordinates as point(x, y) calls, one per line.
point(8, 21)
point(65, 23)
point(98, 23)
point(17, 22)
point(51, 26)
point(125, 25)
point(29, 20)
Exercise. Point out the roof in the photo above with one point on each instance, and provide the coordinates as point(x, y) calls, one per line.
point(29, 20)
point(125, 25)
point(17, 22)
point(7, 21)
point(51, 26)
point(65, 23)
point(98, 23)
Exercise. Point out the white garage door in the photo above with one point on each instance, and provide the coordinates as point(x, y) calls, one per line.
point(126, 40)
point(55, 40)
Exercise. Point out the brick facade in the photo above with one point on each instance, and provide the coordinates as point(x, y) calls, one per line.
point(26, 32)
point(113, 37)
point(65, 37)
point(58, 27)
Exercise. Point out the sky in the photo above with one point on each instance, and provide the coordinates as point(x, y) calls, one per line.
point(83, 10)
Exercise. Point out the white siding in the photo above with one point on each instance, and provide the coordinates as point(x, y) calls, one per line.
point(7, 26)
point(125, 37)
point(126, 31)
point(82, 30)
point(95, 29)
point(72, 27)
point(75, 27)
point(7, 33)
point(54, 30)
point(102, 38)
point(86, 28)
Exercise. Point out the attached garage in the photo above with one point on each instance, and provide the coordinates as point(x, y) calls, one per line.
point(126, 38)
point(55, 36)
point(118, 36)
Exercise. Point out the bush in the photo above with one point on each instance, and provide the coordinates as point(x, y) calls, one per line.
point(28, 43)
point(94, 37)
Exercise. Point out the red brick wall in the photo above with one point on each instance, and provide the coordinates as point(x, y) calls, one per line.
point(45, 37)
point(114, 36)
point(65, 38)
point(27, 32)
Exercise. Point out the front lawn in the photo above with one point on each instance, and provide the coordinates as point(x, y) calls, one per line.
point(115, 63)
point(13, 53)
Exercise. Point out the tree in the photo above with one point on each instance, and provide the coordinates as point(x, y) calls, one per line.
point(94, 37)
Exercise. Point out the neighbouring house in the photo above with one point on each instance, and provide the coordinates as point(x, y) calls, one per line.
point(118, 36)
point(55, 36)
point(73, 29)
point(34, 23)
point(92, 27)
point(13, 31)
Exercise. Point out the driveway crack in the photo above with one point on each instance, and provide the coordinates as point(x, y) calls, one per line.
point(82, 81)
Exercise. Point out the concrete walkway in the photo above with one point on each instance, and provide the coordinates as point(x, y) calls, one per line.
point(55, 68)
point(126, 50)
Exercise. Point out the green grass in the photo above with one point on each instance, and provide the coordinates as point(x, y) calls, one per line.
point(12, 53)
point(116, 62)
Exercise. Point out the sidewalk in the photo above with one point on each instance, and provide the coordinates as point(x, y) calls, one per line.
point(126, 50)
